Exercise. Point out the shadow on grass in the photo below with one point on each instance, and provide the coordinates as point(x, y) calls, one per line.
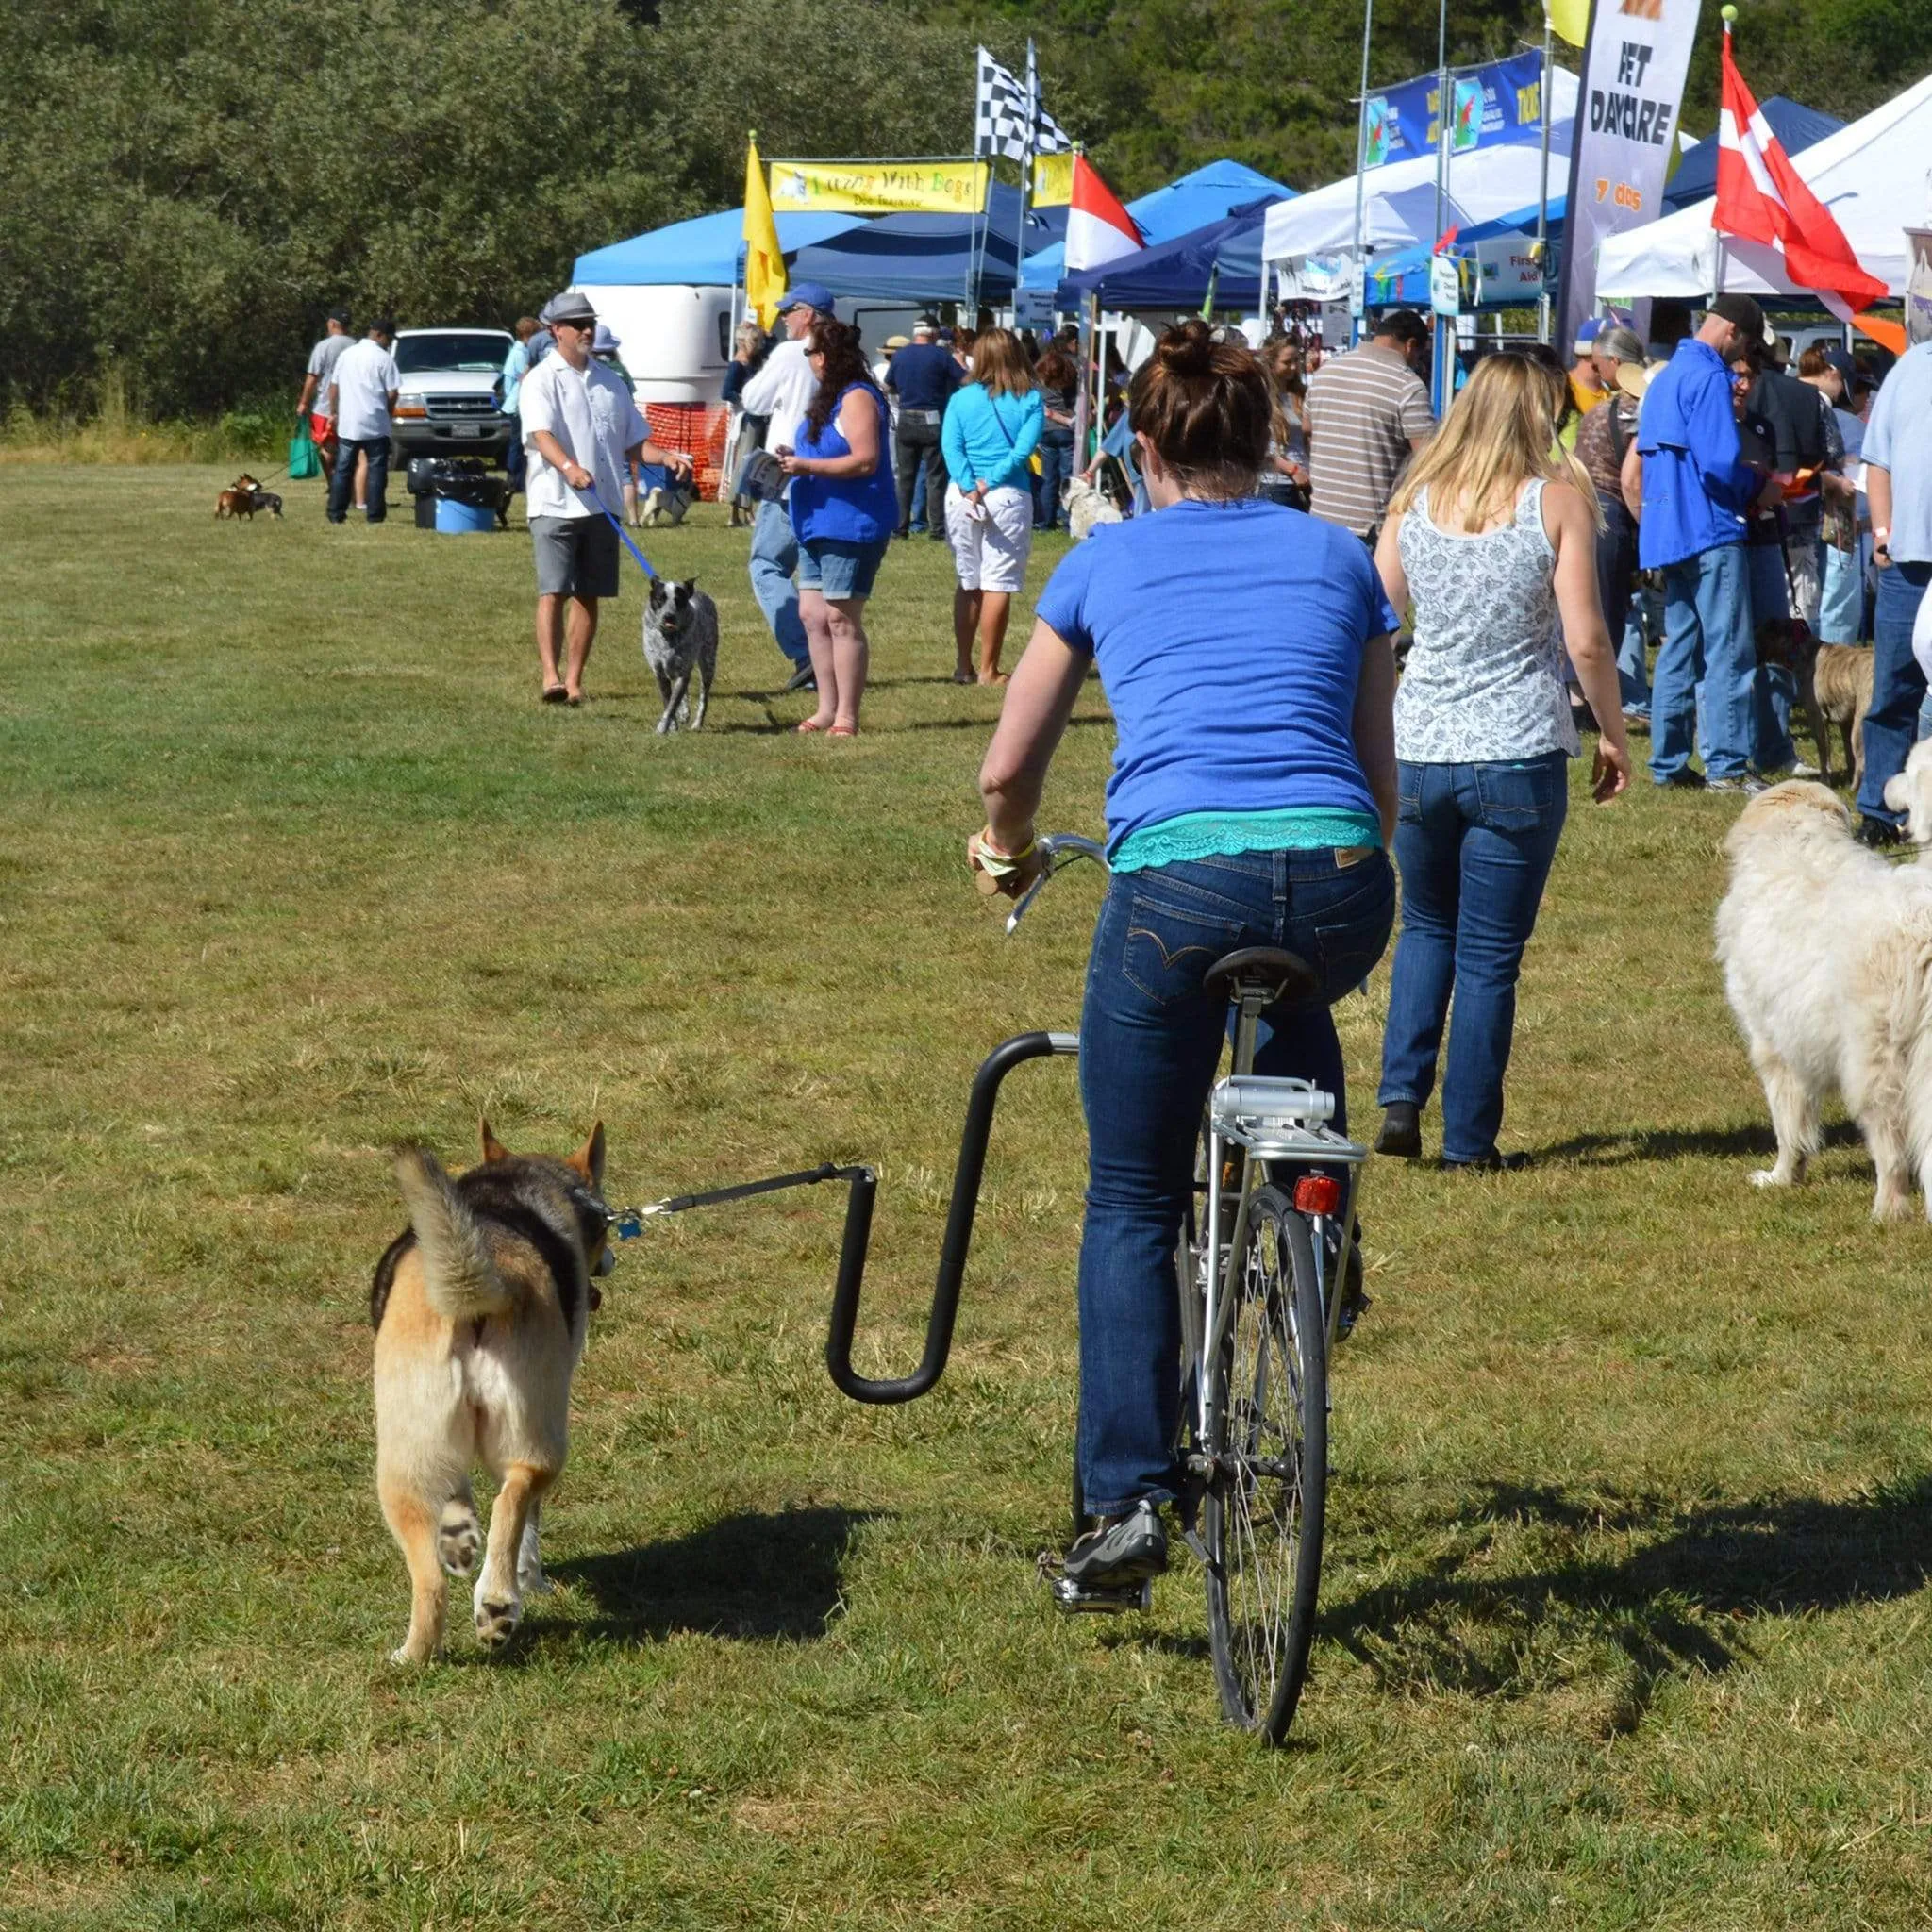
point(754, 1576)
point(1680, 1604)
point(1682, 1143)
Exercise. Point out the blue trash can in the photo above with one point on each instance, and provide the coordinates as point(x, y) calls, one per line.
point(455, 518)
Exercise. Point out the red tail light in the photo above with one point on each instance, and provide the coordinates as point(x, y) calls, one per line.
point(1318, 1193)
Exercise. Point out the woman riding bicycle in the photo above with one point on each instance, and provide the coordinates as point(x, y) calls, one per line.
point(1244, 650)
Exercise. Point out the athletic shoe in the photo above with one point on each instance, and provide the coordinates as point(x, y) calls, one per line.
point(1491, 1162)
point(1746, 786)
point(1686, 781)
point(1402, 1130)
point(1878, 834)
point(1802, 770)
point(1128, 1549)
point(803, 678)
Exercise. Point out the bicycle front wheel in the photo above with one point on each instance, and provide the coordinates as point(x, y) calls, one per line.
point(1262, 1519)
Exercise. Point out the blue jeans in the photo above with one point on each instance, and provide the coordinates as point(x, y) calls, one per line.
point(342, 486)
point(1056, 466)
point(1706, 673)
point(1898, 686)
point(1771, 713)
point(774, 559)
point(1150, 1041)
point(1474, 844)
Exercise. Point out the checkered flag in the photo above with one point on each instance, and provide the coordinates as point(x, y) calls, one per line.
point(1004, 109)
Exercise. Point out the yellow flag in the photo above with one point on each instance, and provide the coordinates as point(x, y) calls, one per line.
point(764, 263)
point(1570, 19)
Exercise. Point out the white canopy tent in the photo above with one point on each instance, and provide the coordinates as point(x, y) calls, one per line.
point(1873, 176)
point(1399, 207)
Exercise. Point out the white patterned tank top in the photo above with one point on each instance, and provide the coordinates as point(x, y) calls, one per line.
point(1484, 681)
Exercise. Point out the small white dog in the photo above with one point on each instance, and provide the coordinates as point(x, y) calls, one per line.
point(1828, 958)
point(1087, 505)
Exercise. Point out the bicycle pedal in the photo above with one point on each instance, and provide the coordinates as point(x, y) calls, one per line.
point(1072, 1598)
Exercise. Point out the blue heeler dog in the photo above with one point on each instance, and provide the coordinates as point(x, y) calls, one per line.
point(680, 636)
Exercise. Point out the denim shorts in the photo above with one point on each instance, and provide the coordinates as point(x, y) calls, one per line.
point(839, 570)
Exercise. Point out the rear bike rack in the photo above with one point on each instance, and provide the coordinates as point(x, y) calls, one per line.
point(961, 1210)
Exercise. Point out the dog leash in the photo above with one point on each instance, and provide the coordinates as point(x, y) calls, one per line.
point(627, 1224)
point(644, 561)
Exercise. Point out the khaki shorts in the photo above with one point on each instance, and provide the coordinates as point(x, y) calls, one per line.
point(576, 557)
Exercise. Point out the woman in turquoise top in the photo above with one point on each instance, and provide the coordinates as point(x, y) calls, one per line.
point(843, 507)
point(992, 429)
point(1244, 650)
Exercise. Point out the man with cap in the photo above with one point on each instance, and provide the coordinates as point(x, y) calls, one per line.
point(581, 432)
point(312, 404)
point(1697, 493)
point(782, 391)
point(921, 380)
point(1898, 485)
point(1588, 384)
point(362, 399)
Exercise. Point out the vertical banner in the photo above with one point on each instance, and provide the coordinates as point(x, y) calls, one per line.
point(1626, 119)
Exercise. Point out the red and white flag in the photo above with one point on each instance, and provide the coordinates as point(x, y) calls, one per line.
point(1764, 198)
point(1099, 230)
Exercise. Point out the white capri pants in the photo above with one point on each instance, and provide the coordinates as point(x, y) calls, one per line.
point(991, 551)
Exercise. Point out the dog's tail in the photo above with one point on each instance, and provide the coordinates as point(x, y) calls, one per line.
point(458, 1277)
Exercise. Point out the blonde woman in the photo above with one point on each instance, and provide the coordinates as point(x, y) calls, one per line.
point(1491, 536)
point(992, 427)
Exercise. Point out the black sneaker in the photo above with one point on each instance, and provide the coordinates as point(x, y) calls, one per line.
point(804, 678)
point(1878, 834)
point(1491, 1162)
point(1128, 1549)
point(1686, 781)
point(1402, 1130)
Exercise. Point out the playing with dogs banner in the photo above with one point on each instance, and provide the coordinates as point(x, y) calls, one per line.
point(879, 187)
point(1626, 119)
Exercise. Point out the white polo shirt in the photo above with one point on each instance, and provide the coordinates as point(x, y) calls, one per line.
point(592, 414)
point(364, 378)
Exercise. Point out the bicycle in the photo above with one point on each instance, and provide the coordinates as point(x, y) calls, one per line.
point(1264, 1251)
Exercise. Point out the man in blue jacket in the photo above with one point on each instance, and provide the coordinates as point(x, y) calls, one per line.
point(921, 380)
point(1697, 491)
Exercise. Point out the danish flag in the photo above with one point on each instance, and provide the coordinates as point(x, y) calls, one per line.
point(1099, 230)
point(1764, 198)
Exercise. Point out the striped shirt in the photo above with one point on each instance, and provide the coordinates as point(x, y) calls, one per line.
point(1364, 409)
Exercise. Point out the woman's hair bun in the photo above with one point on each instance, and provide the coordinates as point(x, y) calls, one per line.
point(1188, 350)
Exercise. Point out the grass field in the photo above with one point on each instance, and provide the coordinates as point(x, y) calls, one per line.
point(1625, 1621)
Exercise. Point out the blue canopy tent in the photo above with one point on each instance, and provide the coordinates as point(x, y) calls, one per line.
point(1796, 125)
point(911, 259)
point(1225, 255)
point(1211, 194)
point(702, 253)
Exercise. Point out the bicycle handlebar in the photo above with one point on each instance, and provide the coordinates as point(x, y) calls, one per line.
point(1057, 850)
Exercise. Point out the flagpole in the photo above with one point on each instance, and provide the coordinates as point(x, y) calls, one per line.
point(1359, 296)
point(1441, 330)
point(1026, 174)
point(1542, 206)
point(1083, 418)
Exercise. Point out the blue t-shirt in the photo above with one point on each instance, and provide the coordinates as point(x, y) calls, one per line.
point(1229, 638)
point(1898, 437)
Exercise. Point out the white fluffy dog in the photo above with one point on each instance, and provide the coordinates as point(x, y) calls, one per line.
point(1087, 505)
point(1827, 959)
point(1909, 794)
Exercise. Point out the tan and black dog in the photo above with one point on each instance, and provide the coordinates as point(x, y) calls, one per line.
point(1833, 686)
point(480, 1309)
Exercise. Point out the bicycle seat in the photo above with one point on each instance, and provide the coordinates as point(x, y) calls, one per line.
point(1290, 976)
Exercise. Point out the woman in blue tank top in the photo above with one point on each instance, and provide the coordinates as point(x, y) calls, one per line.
point(844, 509)
point(1244, 650)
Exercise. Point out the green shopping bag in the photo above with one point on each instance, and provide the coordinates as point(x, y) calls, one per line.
point(303, 461)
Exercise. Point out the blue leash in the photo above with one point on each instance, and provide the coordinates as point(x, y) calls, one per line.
point(644, 561)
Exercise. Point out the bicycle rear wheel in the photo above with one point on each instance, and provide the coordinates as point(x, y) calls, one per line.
point(1262, 1521)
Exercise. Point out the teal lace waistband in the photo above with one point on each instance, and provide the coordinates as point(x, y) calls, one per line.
point(1227, 834)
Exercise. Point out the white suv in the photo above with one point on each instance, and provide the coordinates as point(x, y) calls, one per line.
point(446, 401)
